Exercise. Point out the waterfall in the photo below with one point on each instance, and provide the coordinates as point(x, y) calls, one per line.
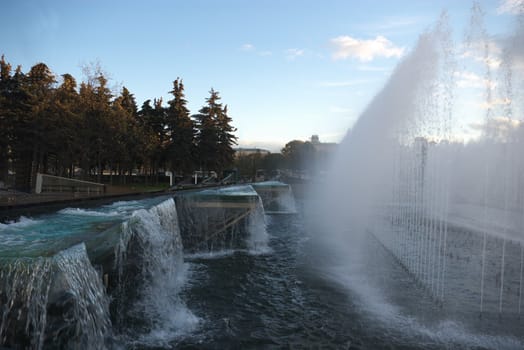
point(257, 241)
point(222, 219)
point(53, 302)
point(151, 272)
point(276, 196)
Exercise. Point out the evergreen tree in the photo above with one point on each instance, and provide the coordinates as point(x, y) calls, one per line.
point(32, 133)
point(5, 122)
point(50, 128)
point(207, 132)
point(18, 109)
point(126, 151)
point(181, 131)
point(150, 136)
point(226, 140)
point(67, 135)
point(97, 118)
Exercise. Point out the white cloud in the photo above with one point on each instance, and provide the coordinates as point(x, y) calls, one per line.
point(291, 54)
point(500, 128)
point(496, 102)
point(473, 81)
point(251, 48)
point(247, 47)
point(364, 50)
point(513, 7)
point(476, 51)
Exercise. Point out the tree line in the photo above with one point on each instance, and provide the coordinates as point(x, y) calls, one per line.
point(55, 126)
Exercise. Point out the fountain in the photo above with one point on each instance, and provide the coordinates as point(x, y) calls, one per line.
point(68, 279)
point(111, 276)
point(449, 213)
point(53, 302)
point(276, 196)
point(223, 218)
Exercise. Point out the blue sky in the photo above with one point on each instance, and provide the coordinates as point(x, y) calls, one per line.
point(286, 68)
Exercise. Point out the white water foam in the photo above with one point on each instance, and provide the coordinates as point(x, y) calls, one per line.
point(87, 212)
point(58, 300)
point(162, 274)
point(352, 273)
point(258, 239)
point(210, 255)
point(21, 223)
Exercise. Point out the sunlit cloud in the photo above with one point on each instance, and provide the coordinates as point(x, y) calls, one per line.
point(364, 50)
point(489, 55)
point(496, 102)
point(471, 80)
point(292, 54)
point(513, 7)
point(499, 128)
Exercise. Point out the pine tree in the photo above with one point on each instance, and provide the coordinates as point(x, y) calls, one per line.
point(18, 115)
point(95, 99)
point(126, 151)
point(5, 125)
point(207, 135)
point(33, 123)
point(181, 131)
point(67, 135)
point(226, 140)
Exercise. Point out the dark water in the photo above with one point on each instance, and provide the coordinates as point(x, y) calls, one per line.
point(301, 293)
point(297, 297)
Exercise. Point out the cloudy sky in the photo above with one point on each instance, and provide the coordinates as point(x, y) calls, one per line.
point(286, 68)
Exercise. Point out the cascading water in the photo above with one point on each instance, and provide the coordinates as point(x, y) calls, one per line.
point(57, 302)
point(257, 241)
point(53, 296)
point(276, 196)
point(151, 271)
point(449, 212)
point(222, 219)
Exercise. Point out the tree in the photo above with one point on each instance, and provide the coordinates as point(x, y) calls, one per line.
point(207, 135)
point(97, 136)
point(127, 143)
point(299, 155)
point(34, 119)
point(5, 125)
point(226, 140)
point(215, 138)
point(16, 112)
point(152, 120)
point(181, 130)
point(54, 127)
point(66, 136)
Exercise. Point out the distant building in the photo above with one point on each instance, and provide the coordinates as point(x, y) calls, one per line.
point(242, 152)
point(327, 147)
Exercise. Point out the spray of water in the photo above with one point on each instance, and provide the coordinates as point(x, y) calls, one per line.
point(448, 213)
point(151, 273)
point(54, 302)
